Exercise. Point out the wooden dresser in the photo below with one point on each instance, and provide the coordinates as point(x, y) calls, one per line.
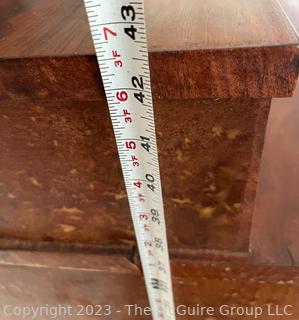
point(65, 226)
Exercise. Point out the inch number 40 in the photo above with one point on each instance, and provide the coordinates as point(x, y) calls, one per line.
point(150, 179)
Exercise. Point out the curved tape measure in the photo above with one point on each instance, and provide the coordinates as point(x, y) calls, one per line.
point(119, 36)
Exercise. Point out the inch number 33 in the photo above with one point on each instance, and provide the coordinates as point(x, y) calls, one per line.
point(128, 14)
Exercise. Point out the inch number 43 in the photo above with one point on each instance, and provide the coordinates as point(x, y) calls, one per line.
point(128, 14)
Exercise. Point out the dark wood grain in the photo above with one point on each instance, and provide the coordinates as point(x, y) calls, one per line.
point(59, 27)
point(38, 28)
point(61, 179)
point(100, 262)
point(48, 245)
point(232, 49)
point(55, 283)
point(247, 72)
point(52, 132)
point(200, 74)
point(66, 78)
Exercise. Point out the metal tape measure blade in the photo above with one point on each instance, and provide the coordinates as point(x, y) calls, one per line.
point(119, 36)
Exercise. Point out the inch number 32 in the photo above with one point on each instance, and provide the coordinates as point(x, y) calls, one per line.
point(128, 14)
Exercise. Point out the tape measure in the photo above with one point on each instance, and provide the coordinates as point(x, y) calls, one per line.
point(119, 36)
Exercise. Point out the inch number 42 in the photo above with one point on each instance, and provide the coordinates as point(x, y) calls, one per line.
point(138, 84)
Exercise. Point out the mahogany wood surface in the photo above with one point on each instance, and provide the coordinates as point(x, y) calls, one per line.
point(196, 45)
point(48, 125)
point(61, 177)
point(59, 27)
point(74, 280)
point(17, 13)
point(264, 72)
